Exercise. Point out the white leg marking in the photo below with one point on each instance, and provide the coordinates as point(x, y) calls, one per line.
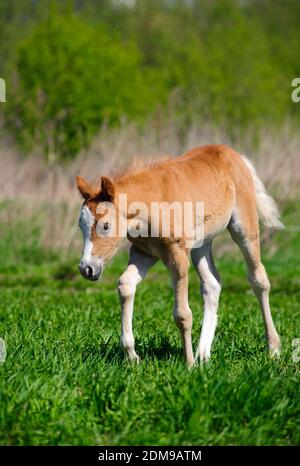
point(126, 287)
point(210, 289)
point(139, 264)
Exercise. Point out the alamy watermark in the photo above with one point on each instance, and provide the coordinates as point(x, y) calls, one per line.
point(295, 95)
point(2, 90)
point(2, 350)
point(184, 220)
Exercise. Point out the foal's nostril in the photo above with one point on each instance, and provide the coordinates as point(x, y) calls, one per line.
point(89, 271)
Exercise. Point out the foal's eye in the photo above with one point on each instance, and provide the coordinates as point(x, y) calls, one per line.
point(103, 228)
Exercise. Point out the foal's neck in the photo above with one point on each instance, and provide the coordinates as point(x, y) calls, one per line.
point(140, 187)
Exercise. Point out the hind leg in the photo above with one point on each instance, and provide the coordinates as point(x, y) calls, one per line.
point(210, 290)
point(246, 234)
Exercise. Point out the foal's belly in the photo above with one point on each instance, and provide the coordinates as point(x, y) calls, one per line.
point(215, 224)
point(157, 247)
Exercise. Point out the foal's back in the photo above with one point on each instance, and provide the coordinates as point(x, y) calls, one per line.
point(213, 174)
point(200, 174)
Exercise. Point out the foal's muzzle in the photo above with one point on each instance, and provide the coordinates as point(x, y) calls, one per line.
point(90, 272)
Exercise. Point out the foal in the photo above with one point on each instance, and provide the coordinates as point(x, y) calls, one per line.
point(233, 197)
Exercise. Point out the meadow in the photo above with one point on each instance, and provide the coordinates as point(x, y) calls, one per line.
point(91, 90)
point(66, 382)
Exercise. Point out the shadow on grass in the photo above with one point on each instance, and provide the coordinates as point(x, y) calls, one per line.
point(156, 347)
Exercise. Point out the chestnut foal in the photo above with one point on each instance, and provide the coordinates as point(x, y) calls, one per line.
point(233, 197)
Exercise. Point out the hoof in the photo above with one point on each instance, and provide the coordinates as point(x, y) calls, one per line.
point(274, 352)
point(274, 347)
point(191, 364)
point(134, 358)
point(202, 357)
point(201, 361)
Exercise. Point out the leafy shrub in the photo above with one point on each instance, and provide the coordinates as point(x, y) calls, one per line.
point(70, 77)
point(224, 60)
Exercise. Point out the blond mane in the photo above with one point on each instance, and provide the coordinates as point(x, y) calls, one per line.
point(138, 165)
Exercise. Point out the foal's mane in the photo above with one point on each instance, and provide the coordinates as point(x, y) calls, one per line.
point(138, 165)
point(135, 166)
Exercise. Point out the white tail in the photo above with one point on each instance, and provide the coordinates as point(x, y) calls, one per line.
point(267, 209)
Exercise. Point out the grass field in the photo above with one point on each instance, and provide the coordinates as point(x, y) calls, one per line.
point(65, 380)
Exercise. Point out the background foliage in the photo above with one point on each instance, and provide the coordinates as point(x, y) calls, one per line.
point(70, 66)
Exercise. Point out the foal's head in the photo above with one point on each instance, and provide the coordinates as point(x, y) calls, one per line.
point(98, 223)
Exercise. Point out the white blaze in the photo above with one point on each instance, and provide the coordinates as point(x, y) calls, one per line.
point(86, 222)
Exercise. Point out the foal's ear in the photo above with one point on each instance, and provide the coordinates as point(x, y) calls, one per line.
point(104, 193)
point(84, 188)
point(107, 192)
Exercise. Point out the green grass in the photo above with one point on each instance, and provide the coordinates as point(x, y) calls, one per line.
point(65, 379)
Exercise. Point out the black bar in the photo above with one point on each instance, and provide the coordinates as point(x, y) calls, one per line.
point(143, 455)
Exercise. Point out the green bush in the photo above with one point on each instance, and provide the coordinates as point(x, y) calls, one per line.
point(240, 83)
point(70, 78)
point(224, 60)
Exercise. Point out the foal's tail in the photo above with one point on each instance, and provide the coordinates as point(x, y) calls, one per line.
point(267, 209)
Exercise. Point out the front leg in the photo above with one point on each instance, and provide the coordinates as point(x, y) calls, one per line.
point(138, 266)
point(178, 264)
